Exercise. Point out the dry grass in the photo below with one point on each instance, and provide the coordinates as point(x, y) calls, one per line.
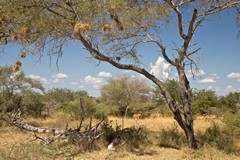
point(159, 123)
point(18, 144)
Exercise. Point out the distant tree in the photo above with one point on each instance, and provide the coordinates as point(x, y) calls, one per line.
point(113, 31)
point(173, 87)
point(83, 106)
point(12, 87)
point(32, 103)
point(231, 101)
point(123, 91)
point(203, 100)
point(57, 97)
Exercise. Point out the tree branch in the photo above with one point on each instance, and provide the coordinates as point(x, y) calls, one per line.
point(99, 56)
point(214, 10)
point(179, 15)
point(190, 30)
point(182, 3)
point(163, 49)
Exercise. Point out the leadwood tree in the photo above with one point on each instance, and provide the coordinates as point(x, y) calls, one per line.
point(112, 31)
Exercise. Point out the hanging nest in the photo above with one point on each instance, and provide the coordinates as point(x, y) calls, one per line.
point(107, 28)
point(22, 55)
point(81, 28)
point(16, 67)
point(24, 30)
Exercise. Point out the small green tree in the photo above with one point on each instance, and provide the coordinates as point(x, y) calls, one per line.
point(32, 103)
point(173, 87)
point(123, 91)
point(56, 98)
point(203, 100)
point(12, 87)
point(231, 102)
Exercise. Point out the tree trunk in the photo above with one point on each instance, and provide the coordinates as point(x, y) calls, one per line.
point(186, 97)
point(188, 130)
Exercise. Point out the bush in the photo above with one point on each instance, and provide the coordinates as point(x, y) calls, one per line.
point(171, 137)
point(216, 138)
point(74, 109)
point(232, 126)
point(132, 138)
point(101, 111)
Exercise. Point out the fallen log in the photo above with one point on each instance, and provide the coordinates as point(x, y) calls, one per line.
point(73, 134)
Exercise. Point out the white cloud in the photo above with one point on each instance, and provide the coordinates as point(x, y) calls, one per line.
point(104, 74)
point(207, 80)
point(210, 88)
point(233, 75)
point(33, 76)
point(56, 80)
point(44, 80)
point(229, 87)
point(238, 80)
point(59, 75)
point(161, 69)
point(96, 86)
point(196, 72)
point(74, 83)
point(81, 86)
point(93, 80)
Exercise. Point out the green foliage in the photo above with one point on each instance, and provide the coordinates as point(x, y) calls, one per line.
point(132, 138)
point(12, 88)
point(61, 95)
point(43, 23)
point(172, 138)
point(123, 91)
point(32, 103)
point(57, 98)
point(216, 138)
point(101, 111)
point(173, 88)
point(77, 109)
point(231, 102)
point(232, 124)
point(203, 101)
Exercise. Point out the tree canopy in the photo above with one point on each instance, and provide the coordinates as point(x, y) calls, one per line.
point(123, 91)
point(12, 85)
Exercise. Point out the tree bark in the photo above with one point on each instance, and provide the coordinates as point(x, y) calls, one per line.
point(186, 96)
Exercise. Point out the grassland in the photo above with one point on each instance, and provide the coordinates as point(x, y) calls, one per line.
point(19, 144)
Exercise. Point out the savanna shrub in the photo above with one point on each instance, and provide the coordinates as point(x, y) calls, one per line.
point(232, 124)
point(131, 137)
point(171, 137)
point(214, 137)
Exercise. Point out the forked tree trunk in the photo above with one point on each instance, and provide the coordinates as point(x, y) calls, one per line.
point(186, 97)
point(188, 130)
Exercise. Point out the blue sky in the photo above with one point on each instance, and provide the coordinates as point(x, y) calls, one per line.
point(219, 61)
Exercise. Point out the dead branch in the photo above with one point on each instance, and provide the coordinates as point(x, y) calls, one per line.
point(74, 135)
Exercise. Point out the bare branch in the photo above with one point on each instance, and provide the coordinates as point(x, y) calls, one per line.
point(182, 3)
point(190, 30)
point(179, 15)
point(163, 49)
point(214, 10)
